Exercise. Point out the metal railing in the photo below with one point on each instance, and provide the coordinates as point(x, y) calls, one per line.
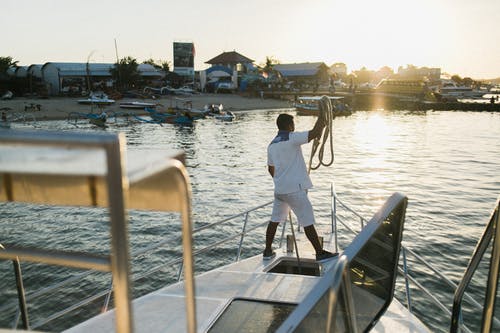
point(118, 262)
point(240, 236)
point(491, 234)
point(17, 185)
point(336, 218)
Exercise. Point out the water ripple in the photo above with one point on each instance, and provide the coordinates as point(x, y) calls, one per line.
point(446, 163)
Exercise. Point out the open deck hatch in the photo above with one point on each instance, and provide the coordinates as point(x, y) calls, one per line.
point(291, 266)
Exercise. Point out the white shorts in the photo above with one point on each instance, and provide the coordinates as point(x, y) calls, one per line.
point(300, 205)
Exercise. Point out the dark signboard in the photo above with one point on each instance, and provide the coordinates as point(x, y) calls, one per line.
point(183, 55)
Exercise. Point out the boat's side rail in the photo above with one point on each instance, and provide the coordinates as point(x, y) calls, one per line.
point(118, 262)
point(48, 167)
point(248, 226)
point(491, 235)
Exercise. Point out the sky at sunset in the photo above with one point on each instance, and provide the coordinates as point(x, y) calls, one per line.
point(459, 36)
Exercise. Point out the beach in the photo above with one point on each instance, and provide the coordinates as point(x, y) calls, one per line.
point(57, 108)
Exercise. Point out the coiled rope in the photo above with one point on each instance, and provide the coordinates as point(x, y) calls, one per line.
point(326, 111)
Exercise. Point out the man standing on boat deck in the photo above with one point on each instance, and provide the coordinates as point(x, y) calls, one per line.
point(286, 165)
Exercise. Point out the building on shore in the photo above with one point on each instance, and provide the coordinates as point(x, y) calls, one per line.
point(232, 60)
point(225, 71)
point(60, 78)
point(306, 75)
point(22, 72)
point(65, 77)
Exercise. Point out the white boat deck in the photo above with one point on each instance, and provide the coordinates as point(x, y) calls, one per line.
point(164, 310)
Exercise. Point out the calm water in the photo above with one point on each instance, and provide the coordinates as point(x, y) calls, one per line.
point(446, 163)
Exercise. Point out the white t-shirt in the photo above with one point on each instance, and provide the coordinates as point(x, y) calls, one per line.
point(285, 155)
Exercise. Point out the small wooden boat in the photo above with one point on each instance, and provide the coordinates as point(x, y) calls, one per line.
point(183, 118)
point(97, 99)
point(309, 106)
point(93, 118)
point(137, 105)
point(185, 106)
point(225, 116)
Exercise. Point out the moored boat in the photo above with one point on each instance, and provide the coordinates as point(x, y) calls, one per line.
point(309, 105)
point(137, 105)
point(97, 119)
point(97, 99)
point(184, 118)
point(225, 115)
point(450, 91)
point(185, 106)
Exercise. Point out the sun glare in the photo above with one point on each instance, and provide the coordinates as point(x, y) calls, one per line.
point(374, 135)
point(374, 130)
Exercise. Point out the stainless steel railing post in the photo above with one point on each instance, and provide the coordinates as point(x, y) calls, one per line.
point(282, 234)
point(108, 298)
point(20, 292)
point(120, 257)
point(492, 285)
point(407, 283)
point(242, 237)
point(478, 254)
point(334, 216)
point(179, 272)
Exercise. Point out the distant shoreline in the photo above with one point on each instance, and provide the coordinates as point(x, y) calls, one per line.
point(58, 108)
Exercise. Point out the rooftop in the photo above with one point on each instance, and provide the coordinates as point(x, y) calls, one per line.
point(232, 57)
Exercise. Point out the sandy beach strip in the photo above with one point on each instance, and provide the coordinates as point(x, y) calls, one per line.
point(58, 108)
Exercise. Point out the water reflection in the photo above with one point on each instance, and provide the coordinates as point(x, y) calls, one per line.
point(446, 162)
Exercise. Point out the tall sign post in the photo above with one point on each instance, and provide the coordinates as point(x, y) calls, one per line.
point(184, 59)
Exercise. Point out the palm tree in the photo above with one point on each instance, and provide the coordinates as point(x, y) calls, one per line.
point(6, 63)
point(268, 68)
point(165, 66)
point(126, 73)
point(160, 64)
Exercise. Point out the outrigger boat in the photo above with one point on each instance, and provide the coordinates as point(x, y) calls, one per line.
point(309, 105)
point(185, 107)
point(137, 105)
point(168, 118)
point(224, 115)
point(289, 293)
point(97, 99)
point(97, 119)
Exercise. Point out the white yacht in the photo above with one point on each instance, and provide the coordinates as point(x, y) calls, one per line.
point(449, 89)
point(289, 293)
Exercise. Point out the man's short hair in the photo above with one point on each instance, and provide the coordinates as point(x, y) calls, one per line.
point(284, 121)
